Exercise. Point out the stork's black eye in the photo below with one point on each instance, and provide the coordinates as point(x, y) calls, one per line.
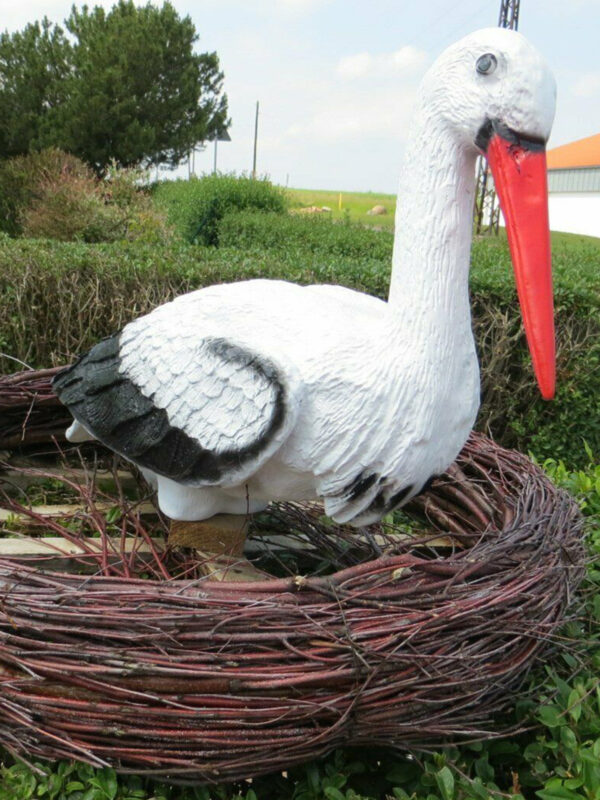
point(486, 64)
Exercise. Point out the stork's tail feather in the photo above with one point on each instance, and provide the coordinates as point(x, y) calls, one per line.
point(93, 371)
point(106, 404)
point(76, 433)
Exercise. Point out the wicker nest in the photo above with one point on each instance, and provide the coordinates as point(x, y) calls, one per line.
point(423, 643)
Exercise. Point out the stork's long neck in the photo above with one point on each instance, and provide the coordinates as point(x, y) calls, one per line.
point(429, 291)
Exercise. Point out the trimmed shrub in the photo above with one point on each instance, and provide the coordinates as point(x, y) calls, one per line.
point(20, 180)
point(57, 299)
point(69, 208)
point(313, 234)
point(196, 206)
point(54, 195)
point(512, 408)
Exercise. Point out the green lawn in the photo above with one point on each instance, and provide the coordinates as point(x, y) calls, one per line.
point(356, 204)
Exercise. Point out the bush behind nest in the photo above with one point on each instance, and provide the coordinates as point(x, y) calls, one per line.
point(54, 195)
point(197, 206)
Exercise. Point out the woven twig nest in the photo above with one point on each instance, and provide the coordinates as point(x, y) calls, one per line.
point(217, 681)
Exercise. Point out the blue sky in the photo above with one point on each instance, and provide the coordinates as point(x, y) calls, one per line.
point(336, 78)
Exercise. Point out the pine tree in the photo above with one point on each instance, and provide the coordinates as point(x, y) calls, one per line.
point(126, 86)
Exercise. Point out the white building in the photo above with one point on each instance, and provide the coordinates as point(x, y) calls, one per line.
point(574, 186)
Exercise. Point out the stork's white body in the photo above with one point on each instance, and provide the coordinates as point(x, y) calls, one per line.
point(371, 398)
point(401, 418)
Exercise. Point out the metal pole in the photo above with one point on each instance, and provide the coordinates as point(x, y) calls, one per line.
point(215, 161)
point(255, 141)
point(509, 14)
point(485, 192)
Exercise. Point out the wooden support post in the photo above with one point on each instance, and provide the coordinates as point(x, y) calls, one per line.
point(220, 544)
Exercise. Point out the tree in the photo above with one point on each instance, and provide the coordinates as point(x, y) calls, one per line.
point(134, 91)
point(34, 68)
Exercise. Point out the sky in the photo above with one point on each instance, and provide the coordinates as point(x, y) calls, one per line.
point(336, 79)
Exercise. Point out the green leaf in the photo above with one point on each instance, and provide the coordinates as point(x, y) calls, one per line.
point(563, 687)
point(114, 514)
point(475, 747)
point(483, 769)
point(556, 790)
point(532, 751)
point(573, 783)
point(331, 793)
point(445, 782)
point(568, 738)
point(93, 793)
point(313, 778)
point(478, 789)
point(337, 780)
point(550, 716)
point(574, 705)
point(503, 747)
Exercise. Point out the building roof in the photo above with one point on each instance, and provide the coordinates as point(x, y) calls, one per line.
point(582, 153)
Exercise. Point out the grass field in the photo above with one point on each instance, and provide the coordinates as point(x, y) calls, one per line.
point(354, 204)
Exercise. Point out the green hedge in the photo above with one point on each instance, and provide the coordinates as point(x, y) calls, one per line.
point(57, 299)
point(576, 259)
point(195, 207)
point(299, 234)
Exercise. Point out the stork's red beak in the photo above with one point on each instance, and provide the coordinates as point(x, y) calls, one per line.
point(518, 165)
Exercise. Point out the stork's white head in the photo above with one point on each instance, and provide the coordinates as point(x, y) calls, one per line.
point(493, 79)
point(495, 94)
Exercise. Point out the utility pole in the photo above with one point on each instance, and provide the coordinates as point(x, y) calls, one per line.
point(487, 210)
point(255, 141)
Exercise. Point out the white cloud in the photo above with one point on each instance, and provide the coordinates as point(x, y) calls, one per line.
point(359, 115)
point(354, 66)
point(300, 5)
point(587, 85)
point(405, 61)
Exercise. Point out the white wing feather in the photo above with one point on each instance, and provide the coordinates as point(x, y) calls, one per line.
point(218, 391)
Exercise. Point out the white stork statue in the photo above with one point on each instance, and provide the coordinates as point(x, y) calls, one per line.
point(238, 394)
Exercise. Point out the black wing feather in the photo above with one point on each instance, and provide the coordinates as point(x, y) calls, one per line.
point(114, 411)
